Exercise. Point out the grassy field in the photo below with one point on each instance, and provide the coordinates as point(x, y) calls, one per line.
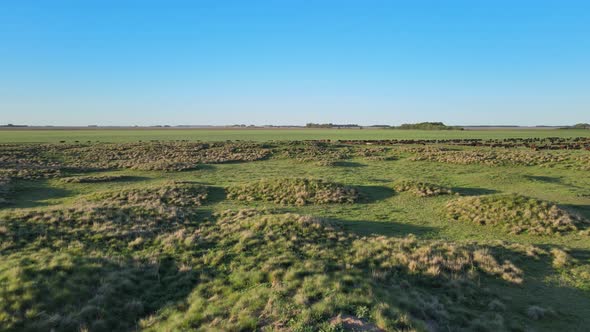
point(134, 135)
point(291, 237)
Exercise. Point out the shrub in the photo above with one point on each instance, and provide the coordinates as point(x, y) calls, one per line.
point(515, 213)
point(296, 191)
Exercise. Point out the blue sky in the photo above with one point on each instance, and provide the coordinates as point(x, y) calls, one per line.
point(291, 62)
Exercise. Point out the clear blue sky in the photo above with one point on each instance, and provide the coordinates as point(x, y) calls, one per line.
point(289, 62)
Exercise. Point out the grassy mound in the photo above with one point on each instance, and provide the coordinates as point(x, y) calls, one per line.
point(296, 191)
point(246, 271)
point(517, 214)
point(421, 189)
point(176, 193)
point(297, 273)
point(95, 178)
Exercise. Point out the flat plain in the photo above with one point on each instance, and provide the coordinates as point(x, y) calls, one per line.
point(256, 134)
point(480, 231)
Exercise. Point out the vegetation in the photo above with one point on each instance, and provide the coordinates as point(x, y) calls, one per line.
point(421, 189)
point(580, 126)
point(428, 126)
point(185, 194)
point(492, 157)
point(294, 191)
point(246, 272)
point(95, 178)
point(297, 235)
point(209, 135)
point(4, 189)
point(516, 213)
point(331, 125)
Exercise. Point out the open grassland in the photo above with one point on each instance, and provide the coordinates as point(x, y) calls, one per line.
point(147, 134)
point(296, 236)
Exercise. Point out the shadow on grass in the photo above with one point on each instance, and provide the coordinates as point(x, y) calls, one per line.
point(72, 290)
point(543, 286)
point(76, 292)
point(474, 191)
point(546, 179)
point(371, 194)
point(130, 178)
point(348, 164)
point(27, 195)
point(97, 179)
point(385, 228)
point(203, 167)
point(583, 209)
point(215, 195)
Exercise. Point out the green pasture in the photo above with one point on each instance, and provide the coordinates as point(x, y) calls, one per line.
point(78, 275)
point(134, 135)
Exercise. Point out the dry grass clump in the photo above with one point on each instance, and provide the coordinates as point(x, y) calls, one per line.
point(421, 189)
point(561, 258)
point(437, 259)
point(298, 191)
point(582, 162)
point(517, 214)
point(492, 157)
point(95, 178)
point(176, 193)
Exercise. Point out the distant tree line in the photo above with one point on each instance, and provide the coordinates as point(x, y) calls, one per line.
point(581, 126)
point(10, 125)
point(428, 126)
point(330, 125)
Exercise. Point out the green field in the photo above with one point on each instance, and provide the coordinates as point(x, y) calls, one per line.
point(134, 135)
point(82, 251)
